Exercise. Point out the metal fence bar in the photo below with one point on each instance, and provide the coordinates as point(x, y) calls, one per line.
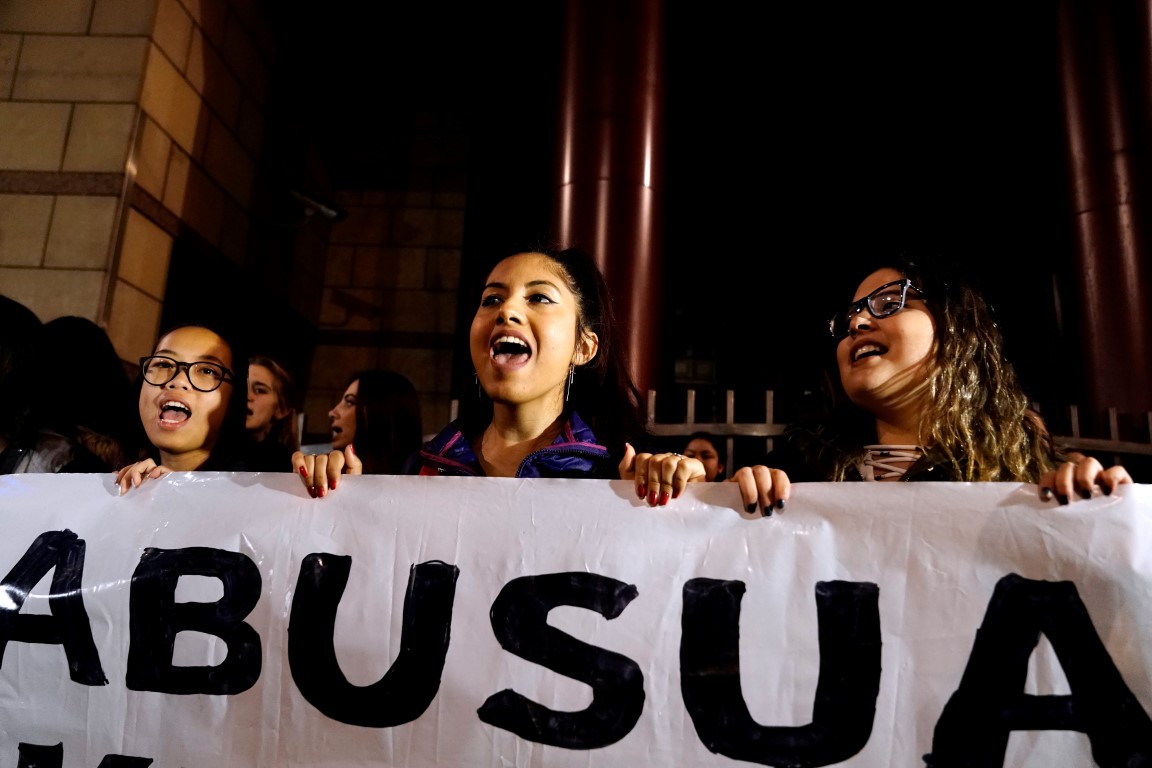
point(732, 429)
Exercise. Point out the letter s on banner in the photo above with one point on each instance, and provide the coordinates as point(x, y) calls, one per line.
point(520, 622)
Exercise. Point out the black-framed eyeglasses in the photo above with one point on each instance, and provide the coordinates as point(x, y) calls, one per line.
point(886, 300)
point(204, 376)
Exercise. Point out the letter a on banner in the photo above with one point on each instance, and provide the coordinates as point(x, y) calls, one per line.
point(68, 624)
point(990, 703)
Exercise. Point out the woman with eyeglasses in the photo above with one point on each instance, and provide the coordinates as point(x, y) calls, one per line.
point(924, 393)
point(193, 401)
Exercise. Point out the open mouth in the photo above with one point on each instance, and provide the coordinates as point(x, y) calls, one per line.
point(174, 412)
point(510, 350)
point(867, 350)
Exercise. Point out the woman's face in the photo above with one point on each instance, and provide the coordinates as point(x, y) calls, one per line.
point(702, 449)
point(343, 418)
point(263, 402)
point(181, 421)
point(523, 336)
point(885, 360)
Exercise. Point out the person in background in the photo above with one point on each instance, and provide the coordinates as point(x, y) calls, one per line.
point(26, 445)
point(112, 431)
point(706, 447)
point(192, 403)
point(271, 417)
point(554, 395)
point(922, 391)
point(379, 412)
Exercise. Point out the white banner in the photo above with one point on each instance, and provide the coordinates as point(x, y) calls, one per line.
point(211, 619)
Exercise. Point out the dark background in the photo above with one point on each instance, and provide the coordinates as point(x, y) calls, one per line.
point(798, 140)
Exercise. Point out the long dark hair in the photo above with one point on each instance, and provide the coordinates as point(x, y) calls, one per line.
point(977, 418)
point(227, 454)
point(388, 422)
point(602, 390)
point(112, 430)
point(20, 330)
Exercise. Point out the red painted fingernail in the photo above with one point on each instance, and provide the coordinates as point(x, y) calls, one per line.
point(665, 498)
point(312, 491)
point(351, 450)
point(642, 491)
point(331, 485)
point(652, 498)
point(304, 472)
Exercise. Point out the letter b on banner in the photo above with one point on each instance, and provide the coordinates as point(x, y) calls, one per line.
point(156, 618)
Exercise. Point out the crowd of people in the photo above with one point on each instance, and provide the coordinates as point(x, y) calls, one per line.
point(920, 391)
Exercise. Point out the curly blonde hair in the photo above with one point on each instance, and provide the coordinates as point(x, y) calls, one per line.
point(978, 421)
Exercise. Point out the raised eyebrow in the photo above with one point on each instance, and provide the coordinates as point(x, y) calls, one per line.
point(529, 284)
point(538, 283)
point(173, 354)
point(875, 291)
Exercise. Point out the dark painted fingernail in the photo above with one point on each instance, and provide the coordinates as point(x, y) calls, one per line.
point(780, 505)
point(1062, 499)
point(1107, 490)
point(767, 510)
point(1085, 493)
point(752, 508)
point(1046, 494)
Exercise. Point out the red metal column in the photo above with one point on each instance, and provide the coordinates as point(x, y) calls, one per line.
point(1106, 60)
point(609, 195)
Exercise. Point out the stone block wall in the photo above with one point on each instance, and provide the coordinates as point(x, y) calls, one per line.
point(132, 128)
